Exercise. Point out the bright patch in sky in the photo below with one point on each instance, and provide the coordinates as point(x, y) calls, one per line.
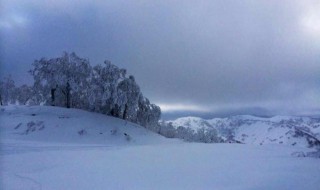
point(12, 21)
point(181, 107)
point(311, 21)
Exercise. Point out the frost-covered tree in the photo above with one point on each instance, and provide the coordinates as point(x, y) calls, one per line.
point(206, 135)
point(25, 95)
point(201, 135)
point(167, 130)
point(7, 91)
point(63, 80)
point(103, 87)
point(185, 133)
point(148, 114)
point(212, 136)
point(70, 81)
point(128, 93)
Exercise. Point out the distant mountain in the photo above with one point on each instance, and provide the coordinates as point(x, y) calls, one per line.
point(286, 130)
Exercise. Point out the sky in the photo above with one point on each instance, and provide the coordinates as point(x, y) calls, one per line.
point(190, 57)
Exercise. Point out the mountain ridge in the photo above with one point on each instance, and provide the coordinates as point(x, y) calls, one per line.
point(288, 130)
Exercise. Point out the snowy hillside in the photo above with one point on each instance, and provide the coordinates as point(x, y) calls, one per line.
point(52, 148)
point(54, 124)
point(294, 131)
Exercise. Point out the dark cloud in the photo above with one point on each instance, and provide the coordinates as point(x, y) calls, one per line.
point(205, 55)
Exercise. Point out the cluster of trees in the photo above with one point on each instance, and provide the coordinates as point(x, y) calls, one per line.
point(205, 135)
point(70, 81)
point(10, 94)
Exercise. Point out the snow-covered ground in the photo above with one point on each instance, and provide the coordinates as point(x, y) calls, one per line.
point(57, 148)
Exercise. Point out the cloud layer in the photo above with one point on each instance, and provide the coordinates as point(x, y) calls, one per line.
point(208, 55)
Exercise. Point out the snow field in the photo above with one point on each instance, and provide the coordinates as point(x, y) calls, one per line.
point(54, 158)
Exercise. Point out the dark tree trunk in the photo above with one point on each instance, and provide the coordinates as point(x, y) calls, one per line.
point(125, 112)
point(115, 111)
point(68, 89)
point(1, 101)
point(53, 90)
point(112, 112)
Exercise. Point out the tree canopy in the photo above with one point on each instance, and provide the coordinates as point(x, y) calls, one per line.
point(70, 81)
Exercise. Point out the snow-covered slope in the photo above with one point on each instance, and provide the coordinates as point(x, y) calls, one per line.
point(294, 131)
point(54, 124)
point(52, 148)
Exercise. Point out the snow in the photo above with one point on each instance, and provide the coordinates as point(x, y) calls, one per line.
point(64, 125)
point(257, 130)
point(59, 158)
point(190, 122)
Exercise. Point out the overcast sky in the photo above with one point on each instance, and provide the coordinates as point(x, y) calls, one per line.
point(197, 56)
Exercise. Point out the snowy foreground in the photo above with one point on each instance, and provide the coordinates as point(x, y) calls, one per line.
point(56, 148)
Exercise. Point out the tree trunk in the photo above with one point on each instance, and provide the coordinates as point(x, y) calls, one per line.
point(68, 89)
point(53, 90)
point(125, 112)
point(112, 112)
point(115, 111)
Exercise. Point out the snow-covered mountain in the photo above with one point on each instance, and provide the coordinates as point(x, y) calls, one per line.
point(287, 130)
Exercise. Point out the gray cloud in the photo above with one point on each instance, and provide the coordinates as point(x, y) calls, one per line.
point(214, 55)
